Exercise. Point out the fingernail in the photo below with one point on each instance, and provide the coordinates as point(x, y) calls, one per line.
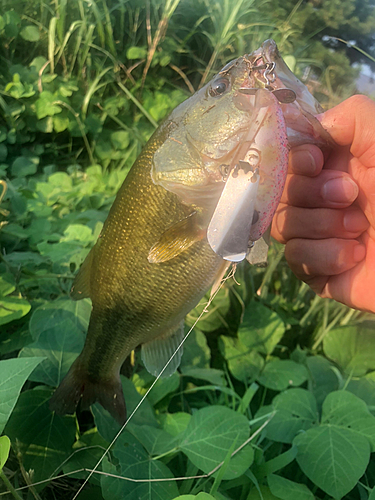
point(355, 221)
point(303, 163)
point(340, 190)
point(359, 252)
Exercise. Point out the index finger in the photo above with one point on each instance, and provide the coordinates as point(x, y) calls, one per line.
point(352, 123)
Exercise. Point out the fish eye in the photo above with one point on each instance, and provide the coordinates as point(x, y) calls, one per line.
point(219, 86)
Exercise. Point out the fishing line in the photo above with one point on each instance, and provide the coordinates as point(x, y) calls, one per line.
point(164, 479)
point(230, 275)
point(151, 387)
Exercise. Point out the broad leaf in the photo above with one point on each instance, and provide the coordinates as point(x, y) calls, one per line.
point(244, 364)
point(174, 423)
point(154, 440)
point(61, 328)
point(43, 438)
point(210, 435)
point(286, 490)
point(135, 463)
point(352, 348)
point(4, 450)
point(295, 411)
point(279, 374)
point(12, 308)
point(13, 374)
point(261, 329)
point(344, 409)
point(333, 458)
point(324, 379)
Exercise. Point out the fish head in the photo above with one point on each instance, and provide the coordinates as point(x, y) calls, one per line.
point(225, 149)
point(201, 136)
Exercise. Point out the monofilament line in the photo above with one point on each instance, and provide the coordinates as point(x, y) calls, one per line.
point(150, 480)
point(148, 391)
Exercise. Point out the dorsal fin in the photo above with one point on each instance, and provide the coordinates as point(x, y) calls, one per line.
point(81, 284)
point(176, 239)
point(156, 353)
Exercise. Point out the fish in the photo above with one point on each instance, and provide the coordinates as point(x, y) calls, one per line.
point(200, 195)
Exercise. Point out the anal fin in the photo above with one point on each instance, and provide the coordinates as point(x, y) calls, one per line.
point(156, 353)
point(176, 239)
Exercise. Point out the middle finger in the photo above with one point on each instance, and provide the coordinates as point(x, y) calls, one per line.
point(330, 189)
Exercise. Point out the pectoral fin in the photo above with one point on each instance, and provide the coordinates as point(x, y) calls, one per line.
point(156, 353)
point(176, 239)
point(81, 283)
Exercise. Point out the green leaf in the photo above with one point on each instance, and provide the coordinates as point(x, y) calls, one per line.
point(135, 463)
point(12, 308)
point(43, 438)
point(14, 341)
point(201, 496)
point(30, 33)
point(78, 232)
point(13, 374)
point(290, 62)
point(363, 388)
point(59, 329)
point(295, 411)
point(244, 365)
point(45, 125)
point(136, 53)
point(86, 453)
point(196, 350)
point(120, 139)
point(163, 387)
point(209, 436)
point(372, 494)
point(266, 494)
point(23, 166)
point(285, 489)
point(60, 123)
point(352, 348)
point(333, 458)
point(261, 329)
point(7, 284)
point(344, 409)
point(15, 230)
point(279, 374)
point(3, 152)
point(154, 440)
point(4, 450)
point(324, 379)
point(46, 105)
point(214, 317)
point(212, 375)
point(174, 423)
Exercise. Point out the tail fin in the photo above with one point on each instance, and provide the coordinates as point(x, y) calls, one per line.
point(77, 386)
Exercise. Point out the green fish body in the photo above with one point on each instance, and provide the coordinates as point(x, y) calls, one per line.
point(152, 262)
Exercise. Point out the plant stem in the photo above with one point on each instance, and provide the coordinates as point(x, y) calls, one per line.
point(10, 487)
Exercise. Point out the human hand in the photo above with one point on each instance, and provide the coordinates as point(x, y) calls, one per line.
point(326, 216)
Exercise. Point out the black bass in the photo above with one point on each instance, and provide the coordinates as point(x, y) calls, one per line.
point(204, 188)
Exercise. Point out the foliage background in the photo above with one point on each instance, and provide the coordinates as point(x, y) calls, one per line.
point(83, 84)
